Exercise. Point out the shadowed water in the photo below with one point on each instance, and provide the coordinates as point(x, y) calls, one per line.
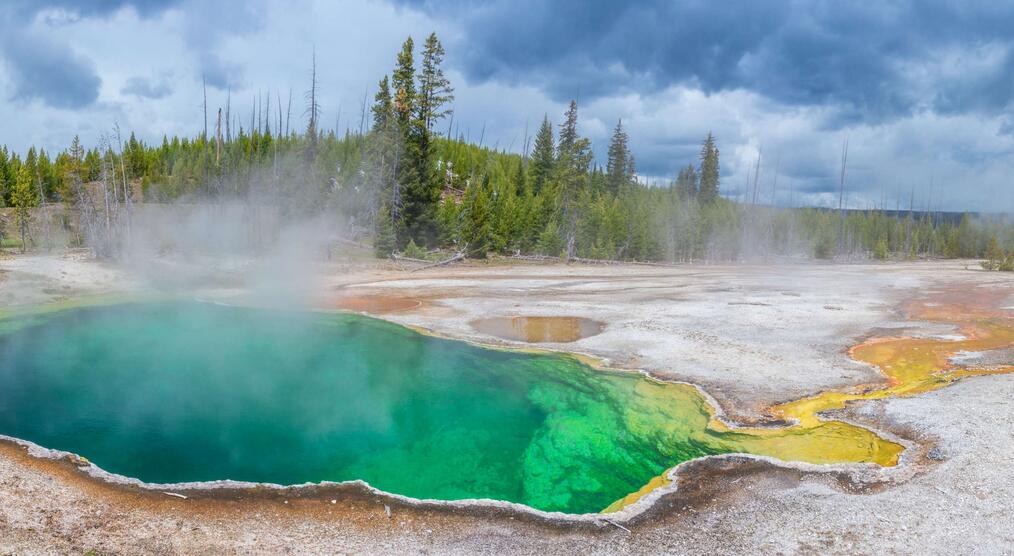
point(181, 391)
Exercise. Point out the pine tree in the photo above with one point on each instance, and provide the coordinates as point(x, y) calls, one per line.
point(413, 251)
point(478, 230)
point(409, 184)
point(403, 82)
point(74, 170)
point(23, 198)
point(382, 152)
point(383, 106)
point(506, 218)
point(448, 217)
point(519, 182)
point(618, 175)
point(434, 88)
point(384, 241)
point(993, 254)
point(686, 182)
point(549, 242)
point(543, 156)
point(568, 129)
point(77, 152)
point(6, 175)
point(573, 157)
point(417, 181)
point(709, 178)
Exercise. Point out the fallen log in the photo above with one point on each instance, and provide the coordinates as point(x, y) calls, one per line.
point(615, 262)
point(351, 243)
point(457, 257)
point(397, 257)
point(540, 258)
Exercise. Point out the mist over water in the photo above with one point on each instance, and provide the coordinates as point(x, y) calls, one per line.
point(271, 232)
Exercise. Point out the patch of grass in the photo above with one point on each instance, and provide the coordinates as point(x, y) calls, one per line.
point(10, 242)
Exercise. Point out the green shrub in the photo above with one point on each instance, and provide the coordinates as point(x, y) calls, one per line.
point(1007, 265)
point(550, 243)
point(880, 250)
point(413, 251)
point(824, 247)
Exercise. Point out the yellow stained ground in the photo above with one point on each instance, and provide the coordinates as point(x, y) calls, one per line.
point(910, 365)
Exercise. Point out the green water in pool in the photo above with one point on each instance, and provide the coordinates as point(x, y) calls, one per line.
point(180, 391)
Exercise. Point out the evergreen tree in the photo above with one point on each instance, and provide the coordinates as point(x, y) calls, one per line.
point(76, 152)
point(384, 241)
point(519, 182)
point(543, 156)
point(708, 192)
point(880, 250)
point(993, 254)
point(478, 230)
point(382, 153)
point(448, 216)
point(73, 169)
point(7, 175)
point(573, 158)
point(413, 251)
point(417, 182)
point(23, 198)
point(434, 88)
point(550, 243)
point(506, 217)
point(383, 106)
point(686, 182)
point(410, 185)
point(568, 129)
point(619, 171)
point(403, 81)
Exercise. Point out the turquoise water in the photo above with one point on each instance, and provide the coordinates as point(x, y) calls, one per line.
point(184, 391)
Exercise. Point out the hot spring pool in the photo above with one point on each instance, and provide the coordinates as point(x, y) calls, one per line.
point(174, 392)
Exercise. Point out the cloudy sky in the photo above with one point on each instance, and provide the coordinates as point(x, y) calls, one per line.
point(922, 90)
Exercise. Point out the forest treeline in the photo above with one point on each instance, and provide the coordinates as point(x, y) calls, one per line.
point(402, 184)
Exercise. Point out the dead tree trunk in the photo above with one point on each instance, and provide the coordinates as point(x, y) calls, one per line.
point(218, 139)
point(204, 88)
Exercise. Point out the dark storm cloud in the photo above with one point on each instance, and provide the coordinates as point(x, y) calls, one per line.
point(143, 87)
point(207, 24)
point(870, 61)
point(41, 67)
point(91, 7)
point(49, 71)
point(219, 73)
point(659, 159)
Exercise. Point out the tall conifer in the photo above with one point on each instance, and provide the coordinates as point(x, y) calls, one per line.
point(543, 156)
point(619, 171)
point(709, 177)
